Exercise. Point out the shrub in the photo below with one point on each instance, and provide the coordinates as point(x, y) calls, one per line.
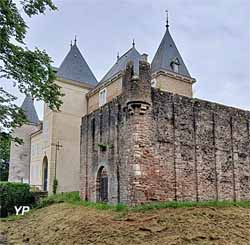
point(55, 184)
point(14, 194)
point(69, 197)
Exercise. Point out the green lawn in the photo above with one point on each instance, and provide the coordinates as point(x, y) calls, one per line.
point(73, 198)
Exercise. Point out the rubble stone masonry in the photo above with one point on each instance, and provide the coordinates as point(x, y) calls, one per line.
point(156, 145)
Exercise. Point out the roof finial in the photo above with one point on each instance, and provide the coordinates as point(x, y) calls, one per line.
point(71, 43)
point(118, 56)
point(75, 39)
point(133, 43)
point(167, 24)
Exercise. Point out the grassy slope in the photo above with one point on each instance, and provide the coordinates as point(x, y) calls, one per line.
point(68, 223)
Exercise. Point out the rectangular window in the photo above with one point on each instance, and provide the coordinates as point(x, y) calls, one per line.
point(102, 97)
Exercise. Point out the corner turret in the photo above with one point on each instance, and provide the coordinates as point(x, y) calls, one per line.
point(137, 87)
point(75, 68)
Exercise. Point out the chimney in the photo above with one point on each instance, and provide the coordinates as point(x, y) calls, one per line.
point(144, 57)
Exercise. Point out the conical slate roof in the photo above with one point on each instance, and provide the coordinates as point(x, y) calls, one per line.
point(74, 67)
point(131, 55)
point(166, 54)
point(29, 110)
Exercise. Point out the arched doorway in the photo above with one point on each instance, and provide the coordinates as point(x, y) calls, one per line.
point(102, 185)
point(45, 173)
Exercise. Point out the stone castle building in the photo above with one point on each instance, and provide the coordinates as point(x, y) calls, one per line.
point(136, 136)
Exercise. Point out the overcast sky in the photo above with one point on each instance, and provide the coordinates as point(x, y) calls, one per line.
point(212, 36)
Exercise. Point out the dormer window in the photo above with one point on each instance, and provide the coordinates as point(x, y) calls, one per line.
point(175, 65)
point(102, 97)
point(176, 68)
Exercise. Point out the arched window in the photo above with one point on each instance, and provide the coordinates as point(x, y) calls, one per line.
point(102, 185)
point(45, 173)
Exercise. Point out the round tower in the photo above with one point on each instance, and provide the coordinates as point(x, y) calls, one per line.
point(137, 87)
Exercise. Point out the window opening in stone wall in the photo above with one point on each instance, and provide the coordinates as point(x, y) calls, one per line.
point(45, 173)
point(101, 127)
point(119, 113)
point(93, 130)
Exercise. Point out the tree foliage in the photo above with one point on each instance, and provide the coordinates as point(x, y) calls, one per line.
point(14, 194)
point(29, 70)
point(4, 156)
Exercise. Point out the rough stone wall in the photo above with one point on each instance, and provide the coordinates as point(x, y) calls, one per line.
point(164, 146)
point(210, 147)
point(99, 130)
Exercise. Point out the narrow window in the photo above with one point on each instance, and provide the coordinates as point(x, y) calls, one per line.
point(93, 130)
point(101, 127)
point(119, 113)
point(102, 97)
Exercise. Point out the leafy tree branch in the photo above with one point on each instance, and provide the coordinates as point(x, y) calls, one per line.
point(29, 70)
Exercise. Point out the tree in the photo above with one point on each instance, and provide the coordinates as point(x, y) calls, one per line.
point(4, 156)
point(29, 70)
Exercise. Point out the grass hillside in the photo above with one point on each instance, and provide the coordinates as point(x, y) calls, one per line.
point(76, 222)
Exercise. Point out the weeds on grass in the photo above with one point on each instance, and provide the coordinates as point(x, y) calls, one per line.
point(175, 204)
point(74, 198)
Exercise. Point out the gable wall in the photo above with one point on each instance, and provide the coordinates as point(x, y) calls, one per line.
point(113, 90)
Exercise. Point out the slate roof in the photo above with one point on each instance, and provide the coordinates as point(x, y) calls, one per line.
point(74, 67)
point(29, 110)
point(166, 54)
point(120, 65)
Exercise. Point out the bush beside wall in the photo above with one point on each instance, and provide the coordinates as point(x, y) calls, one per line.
point(14, 194)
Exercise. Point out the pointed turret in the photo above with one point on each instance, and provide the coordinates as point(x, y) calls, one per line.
point(74, 67)
point(131, 55)
point(29, 110)
point(168, 57)
point(168, 69)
